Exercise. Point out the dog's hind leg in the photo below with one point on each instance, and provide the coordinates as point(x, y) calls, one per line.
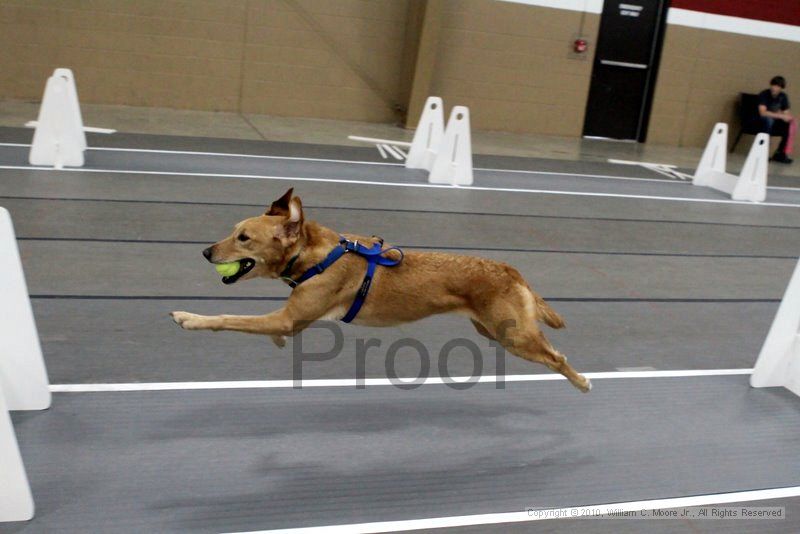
point(482, 330)
point(534, 347)
point(516, 329)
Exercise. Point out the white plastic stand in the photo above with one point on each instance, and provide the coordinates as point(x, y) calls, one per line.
point(16, 501)
point(751, 184)
point(446, 153)
point(59, 139)
point(428, 136)
point(23, 377)
point(778, 362)
point(453, 163)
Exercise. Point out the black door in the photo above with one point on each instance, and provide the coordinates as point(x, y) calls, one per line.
point(625, 66)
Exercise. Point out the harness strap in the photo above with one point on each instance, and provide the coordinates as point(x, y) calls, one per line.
point(287, 271)
point(373, 255)
point(329, 260)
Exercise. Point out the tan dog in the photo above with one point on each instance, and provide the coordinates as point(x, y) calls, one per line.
point(496, 298)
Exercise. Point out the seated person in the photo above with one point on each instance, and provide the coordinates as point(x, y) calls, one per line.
point(773, 106)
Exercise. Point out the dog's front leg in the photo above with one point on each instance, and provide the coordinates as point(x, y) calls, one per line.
point(276, 324)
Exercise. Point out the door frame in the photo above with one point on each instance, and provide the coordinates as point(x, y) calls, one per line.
point(652, 74)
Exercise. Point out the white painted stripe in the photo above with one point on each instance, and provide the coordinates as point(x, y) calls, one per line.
point(740, 25)
point(91, 129)
point(358, 162)
point(404, 184)
point(344, 161)
point(394, 152)
point(785, 188)
point(230, 155)
point(665, 172)
point(373, 140)
point(352, 382)
point(634, 162)
point(526, 515)
point(223, 155)
point(603, 176)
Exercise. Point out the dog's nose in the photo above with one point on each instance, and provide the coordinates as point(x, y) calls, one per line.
point(208, 252)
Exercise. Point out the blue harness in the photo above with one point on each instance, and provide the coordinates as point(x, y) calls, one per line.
point(373, 255)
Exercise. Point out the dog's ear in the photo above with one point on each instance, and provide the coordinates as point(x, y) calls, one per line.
point(292, 226)
point(295, 215)
point(281, 206)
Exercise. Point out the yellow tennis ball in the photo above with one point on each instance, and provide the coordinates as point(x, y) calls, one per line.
point(227, 269)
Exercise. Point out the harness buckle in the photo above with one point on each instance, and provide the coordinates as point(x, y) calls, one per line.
point(291, 283)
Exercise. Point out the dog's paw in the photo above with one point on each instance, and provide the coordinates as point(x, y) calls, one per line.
point(587, 387)
point(187, 321)
point(280, 341)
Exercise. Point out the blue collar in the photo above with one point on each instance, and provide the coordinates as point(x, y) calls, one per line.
point(373, 255)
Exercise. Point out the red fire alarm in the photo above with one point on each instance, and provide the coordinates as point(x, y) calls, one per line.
point(580, 45)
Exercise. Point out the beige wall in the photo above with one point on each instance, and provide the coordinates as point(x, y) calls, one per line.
point(287, 57)
point(511, 64)
point(354, 59)
point(344, 59)
point(183, 54)
point(322, 58)
point(702, 73)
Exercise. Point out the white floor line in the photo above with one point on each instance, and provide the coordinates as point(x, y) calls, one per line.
point(543, 514)
point(356, 162)
point(404, 184)
point(360, 162)
point(351, 382)
point(603, 176)
point(777, 188)
point(225, 155)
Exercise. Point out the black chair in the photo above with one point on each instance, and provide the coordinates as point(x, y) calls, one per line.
point(748, 116)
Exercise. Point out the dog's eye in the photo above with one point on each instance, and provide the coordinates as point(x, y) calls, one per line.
point(243, 238)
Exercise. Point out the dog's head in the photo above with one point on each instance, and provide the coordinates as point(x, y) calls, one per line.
point(261, 244)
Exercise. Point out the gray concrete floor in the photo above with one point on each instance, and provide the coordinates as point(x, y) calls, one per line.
point(642, 283)
point(244, 460)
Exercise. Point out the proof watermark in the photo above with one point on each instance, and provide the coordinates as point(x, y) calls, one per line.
point(695, 512)
point(303, 358)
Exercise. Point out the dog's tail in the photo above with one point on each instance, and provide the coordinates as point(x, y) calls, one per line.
point(541, 309)
point(547, 314)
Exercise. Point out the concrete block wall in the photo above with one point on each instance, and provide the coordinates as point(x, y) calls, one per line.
point(172, 53)
point(318, 58)
point(285, 57)
point(511, 63)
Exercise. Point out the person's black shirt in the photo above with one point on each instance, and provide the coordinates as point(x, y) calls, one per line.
point(773, 103)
